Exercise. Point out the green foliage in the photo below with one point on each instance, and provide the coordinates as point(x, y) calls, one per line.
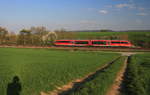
point(104, 30)
point(24, 37)
point(102, 82)
point(142, 40)
point(44, 69)
point(137, 75)
point(133, 83)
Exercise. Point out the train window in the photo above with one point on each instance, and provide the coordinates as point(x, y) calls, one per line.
point(99, 42)
point(124, 42)
point(115, 42)
point(81, 42)
point(63, 42)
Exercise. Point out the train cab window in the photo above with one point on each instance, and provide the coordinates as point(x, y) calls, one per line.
point(115, 42)
point(124, 42)
point(81, 42)
point(99, 42)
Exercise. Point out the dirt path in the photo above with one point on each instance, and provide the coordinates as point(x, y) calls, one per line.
point(115, 88)
point(71, 86)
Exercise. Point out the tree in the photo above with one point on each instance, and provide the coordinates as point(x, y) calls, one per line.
point(104, 30)
point(3, 34)
point(24, 37)
point(49, 38)
point(11, 38)
point(37, 34)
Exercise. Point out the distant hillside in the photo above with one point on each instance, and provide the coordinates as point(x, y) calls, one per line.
point(109, 31)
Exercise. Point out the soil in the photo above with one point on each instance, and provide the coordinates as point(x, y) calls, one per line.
point(116, 86)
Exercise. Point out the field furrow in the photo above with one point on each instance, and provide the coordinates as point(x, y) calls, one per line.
point(72, 86)
point(101, 83)
point(137, 76)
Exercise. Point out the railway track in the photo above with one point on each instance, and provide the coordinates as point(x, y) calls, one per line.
point(84, 48)
point(103, 49)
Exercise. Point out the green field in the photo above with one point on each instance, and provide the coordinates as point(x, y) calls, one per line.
point(44, 69)
point(84, 35)
point(103, 81)
point(137, 80)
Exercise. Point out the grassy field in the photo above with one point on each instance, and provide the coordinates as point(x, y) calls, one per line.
point(137, 81)
point(44, 69)
point(102, 82)
point(84, 35)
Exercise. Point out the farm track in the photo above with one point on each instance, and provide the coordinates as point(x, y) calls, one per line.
point(74, 85)
point(115, 89)
point(123, 49)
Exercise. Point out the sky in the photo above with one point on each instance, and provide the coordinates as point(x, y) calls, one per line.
point(75, 14)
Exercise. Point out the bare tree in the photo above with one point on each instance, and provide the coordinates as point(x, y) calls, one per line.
point(3, 33)
point(49, 38)
point(38, 33)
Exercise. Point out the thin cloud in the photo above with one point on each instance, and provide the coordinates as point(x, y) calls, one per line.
point(142, 14)
point(103, 11)
point(91, 9)
point(130, 6)
point(109, 6)
point(138, 21)
point(87, 22)
point(141, 9)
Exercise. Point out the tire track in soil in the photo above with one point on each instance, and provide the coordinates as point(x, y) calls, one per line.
point(74, 85)
point(115, 88)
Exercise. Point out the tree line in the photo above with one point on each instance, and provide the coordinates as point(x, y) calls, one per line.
point(35, 36)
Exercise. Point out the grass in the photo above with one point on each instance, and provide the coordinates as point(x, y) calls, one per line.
point(137, 80)
point(85, 35)
point(44, 69)
point(102, 82)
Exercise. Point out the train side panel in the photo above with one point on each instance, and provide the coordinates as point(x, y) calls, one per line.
point(97, 43)
point(82, 43)
point(64, 43)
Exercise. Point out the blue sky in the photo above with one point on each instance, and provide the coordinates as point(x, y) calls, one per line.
point(75, 14)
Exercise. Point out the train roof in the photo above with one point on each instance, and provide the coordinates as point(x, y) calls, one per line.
point(92, 40)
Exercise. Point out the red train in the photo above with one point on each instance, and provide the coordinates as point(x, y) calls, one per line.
point(98, 43)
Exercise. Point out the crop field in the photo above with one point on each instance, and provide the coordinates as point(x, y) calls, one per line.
point(101, 84)
point(85, 35)
point(137, 81)
point(45, 69)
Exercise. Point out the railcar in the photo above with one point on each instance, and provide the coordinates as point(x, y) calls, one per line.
point(82, 43)
point(94, 43)
point(64, 43)
point(120, 43)
point(100, 43)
